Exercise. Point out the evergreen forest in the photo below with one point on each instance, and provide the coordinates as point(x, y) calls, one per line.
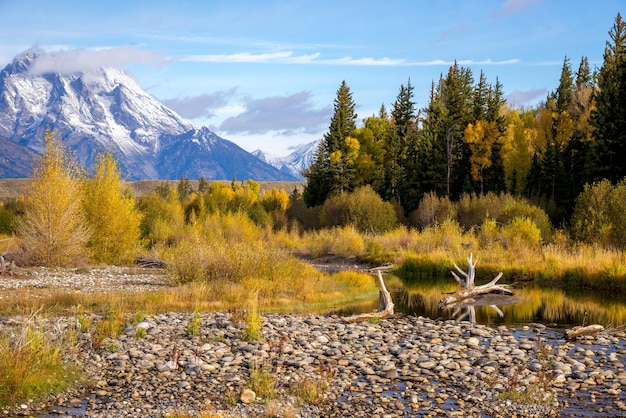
point(467, 140)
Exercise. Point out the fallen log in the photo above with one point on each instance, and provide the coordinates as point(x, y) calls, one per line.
point(469, 290)
point(385, 305)
point(576, 332)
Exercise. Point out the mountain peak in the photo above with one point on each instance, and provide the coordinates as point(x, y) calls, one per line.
point(295, 163)
point(103, 108)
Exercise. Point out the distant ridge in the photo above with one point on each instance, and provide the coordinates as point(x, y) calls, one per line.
point(13, 188)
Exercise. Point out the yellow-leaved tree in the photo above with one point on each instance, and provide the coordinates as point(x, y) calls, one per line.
point(480, 136)
point(53, 227)
point(110, 213)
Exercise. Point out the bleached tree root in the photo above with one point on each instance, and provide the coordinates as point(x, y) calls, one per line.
point(469, 290)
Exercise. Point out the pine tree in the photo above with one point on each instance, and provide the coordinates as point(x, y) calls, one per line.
point(563, 93)
point(609, 117)
point(578, 153)
point(450, 109)
point(493, 175)
point(481, 97)
point(457, 98)
point(53, 226)
point(331, 172)
point(403, 118)
point(111, 214)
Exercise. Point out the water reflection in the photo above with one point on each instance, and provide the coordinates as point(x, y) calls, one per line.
point(529, 304)
point(466, 310)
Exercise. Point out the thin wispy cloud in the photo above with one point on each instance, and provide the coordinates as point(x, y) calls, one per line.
point(511, 7)
point(89, 60)
point(463, 62)
point(284, 114)
point(288, 57)
point(201, 106)
point(283, 57)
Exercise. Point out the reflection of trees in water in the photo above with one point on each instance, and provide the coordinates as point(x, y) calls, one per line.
point(416, 303)
point(531, 304)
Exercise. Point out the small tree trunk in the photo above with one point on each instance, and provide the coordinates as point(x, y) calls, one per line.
point(385, 305)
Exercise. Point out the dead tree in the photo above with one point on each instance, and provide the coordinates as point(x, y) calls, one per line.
point(385, 304)
point(469, 290)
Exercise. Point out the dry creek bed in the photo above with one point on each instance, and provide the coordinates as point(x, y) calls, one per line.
point(405, 366)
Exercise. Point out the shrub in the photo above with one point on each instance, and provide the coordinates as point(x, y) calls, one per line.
point(521, 233)
point(376, 254)
point(450, 235)
point(224, 247)
point(591, 221)
point(472, 209)
point(347, 242)
point(516, 208)
point(163, 216)
point(342, 242)
point(335, 211)
point(489, 233)
point(367, 212)
point(617, 215)
point(432, 210)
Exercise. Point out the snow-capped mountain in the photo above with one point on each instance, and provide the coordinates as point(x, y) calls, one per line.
point(106, 109)
point(293, 164)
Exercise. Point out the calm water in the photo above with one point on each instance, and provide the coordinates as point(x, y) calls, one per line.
point(529, 304)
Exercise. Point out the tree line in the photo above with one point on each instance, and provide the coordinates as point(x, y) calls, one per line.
point(468, 140)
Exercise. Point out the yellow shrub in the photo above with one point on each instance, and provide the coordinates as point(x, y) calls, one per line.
point(521, 233)
point(348, 242)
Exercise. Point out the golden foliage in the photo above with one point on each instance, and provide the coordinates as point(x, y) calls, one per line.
point(480, 136)
point(110, 213)
point(53, 227)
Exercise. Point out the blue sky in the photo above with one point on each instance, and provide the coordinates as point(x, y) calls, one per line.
point(264, 74)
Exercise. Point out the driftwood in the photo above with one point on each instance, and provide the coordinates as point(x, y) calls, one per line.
point(148, 262)
point(576, 332)
point(469, 289)
point(385, 305)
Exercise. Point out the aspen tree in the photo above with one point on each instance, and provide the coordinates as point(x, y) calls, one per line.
point(111, 214)
point(53, 227)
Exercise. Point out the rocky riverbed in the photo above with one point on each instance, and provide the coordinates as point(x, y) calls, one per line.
point(401, 367)
point(406, 366)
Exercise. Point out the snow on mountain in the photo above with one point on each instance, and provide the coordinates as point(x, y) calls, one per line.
point(295, 163)
point(106, 109)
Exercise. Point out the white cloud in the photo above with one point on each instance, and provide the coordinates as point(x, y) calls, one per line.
point(89, 60)
point(284, 57)
point(288, 57)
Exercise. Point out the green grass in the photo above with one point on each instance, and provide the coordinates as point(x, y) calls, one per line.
point(33, 366)
point(263, 381)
